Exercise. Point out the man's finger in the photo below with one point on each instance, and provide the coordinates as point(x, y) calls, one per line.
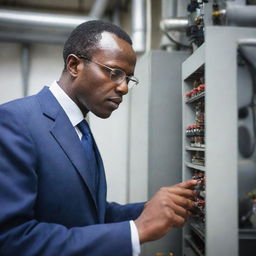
point(188, 184)
point(188, 193)
point(183, 202)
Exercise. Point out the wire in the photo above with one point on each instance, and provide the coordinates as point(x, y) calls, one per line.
point(176, 42)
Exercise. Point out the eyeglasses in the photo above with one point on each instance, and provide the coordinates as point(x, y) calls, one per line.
point(116, 75)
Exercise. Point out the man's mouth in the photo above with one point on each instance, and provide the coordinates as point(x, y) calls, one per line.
point(115, 101)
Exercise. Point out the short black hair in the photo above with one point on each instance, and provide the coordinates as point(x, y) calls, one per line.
point(84, 38)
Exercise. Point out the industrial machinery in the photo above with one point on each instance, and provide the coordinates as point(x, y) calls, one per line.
point(219, 95)
point(203, 13)
point(218, 123)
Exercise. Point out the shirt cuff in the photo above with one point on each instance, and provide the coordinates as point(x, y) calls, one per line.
point(135, 239)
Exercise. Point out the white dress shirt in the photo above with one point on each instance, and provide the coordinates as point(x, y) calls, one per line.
point(76, 116)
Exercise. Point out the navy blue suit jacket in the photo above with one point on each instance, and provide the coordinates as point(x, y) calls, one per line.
point(47, 207)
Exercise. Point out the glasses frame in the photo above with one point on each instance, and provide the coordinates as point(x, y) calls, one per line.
point(130, 78)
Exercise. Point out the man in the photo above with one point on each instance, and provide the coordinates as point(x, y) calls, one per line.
point(52, 180)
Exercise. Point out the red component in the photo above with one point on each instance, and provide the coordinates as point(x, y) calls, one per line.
point(194, 91)
point(188, 94)
point(201, 87)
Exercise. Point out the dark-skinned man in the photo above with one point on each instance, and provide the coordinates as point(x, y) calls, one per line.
point(52, 179)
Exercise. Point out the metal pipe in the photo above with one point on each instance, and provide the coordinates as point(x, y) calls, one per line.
point(25, 67)
point(247, 42)
point(138, 25)
point(241, 15)
point(177, 24)
point(98, 8)
point(32, 36)
point(34, 19)
point(148, 40)
point(116, 13)
point(37, 27)
point(169, 10)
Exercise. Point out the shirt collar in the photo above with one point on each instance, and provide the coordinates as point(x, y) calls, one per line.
point(73, 112)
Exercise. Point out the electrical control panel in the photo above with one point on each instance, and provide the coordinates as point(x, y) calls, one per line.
point(194, 157)
point(219, 131)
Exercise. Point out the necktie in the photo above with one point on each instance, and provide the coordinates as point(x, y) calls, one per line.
point(88, 145)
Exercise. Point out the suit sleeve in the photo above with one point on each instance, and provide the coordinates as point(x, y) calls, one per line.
point(117, 212)
point(20, 233)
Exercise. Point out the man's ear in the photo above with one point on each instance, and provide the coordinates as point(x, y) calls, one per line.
point(74, 65)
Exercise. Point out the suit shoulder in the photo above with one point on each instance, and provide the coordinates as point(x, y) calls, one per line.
point(20, 106)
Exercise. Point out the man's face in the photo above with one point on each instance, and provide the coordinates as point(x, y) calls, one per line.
point(93, 89)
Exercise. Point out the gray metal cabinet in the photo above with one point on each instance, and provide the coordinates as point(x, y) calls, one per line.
point(155, 135)
point(216, 60)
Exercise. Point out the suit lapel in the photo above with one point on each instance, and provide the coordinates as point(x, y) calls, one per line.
point(66, 136)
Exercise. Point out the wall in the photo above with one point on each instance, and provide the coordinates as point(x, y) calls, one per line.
point(45, 66)
point(10, 72)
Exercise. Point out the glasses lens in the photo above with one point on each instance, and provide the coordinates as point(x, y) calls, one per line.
point(117, 75)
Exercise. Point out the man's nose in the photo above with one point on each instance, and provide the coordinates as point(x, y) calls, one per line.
point(123, 87)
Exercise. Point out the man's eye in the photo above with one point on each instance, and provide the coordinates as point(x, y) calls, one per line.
point(115, 73)
point(107, 70)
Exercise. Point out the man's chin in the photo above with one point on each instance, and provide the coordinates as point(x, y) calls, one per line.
point(103, 115)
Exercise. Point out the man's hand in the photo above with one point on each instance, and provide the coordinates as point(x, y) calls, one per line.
point(168, 208)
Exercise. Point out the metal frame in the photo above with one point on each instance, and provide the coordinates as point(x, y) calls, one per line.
point(219, 54)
